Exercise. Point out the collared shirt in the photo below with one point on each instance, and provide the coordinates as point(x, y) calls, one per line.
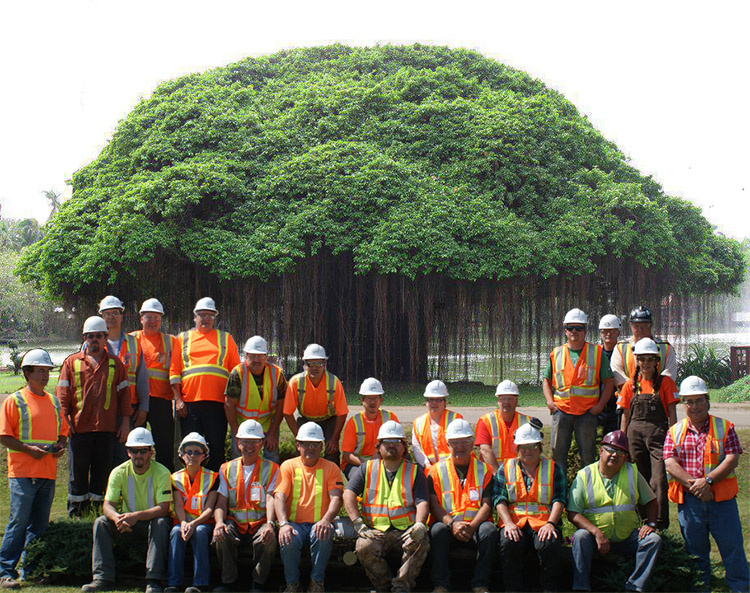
point(692, 452)
point(559, 486)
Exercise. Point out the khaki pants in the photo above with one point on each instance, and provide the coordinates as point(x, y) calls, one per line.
point(372, 550)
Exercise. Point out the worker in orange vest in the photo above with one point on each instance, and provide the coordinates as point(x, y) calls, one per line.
point(428, 431)
point(198, 373)
point(495, 430)
point(571, 387)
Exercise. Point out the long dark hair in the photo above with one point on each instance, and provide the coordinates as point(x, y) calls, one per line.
point(637, 379)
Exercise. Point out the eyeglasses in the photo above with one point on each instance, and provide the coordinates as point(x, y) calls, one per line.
point(205, 315)
point(140, 451)
point(391, 441)
point(111, 313)
point(575, 328)
point(651, 357)
point(698, 401)
point(613, 450)
point(314, 364)
point(532, 447)
point(309, 444)
point(95, 336)
point(193, 452)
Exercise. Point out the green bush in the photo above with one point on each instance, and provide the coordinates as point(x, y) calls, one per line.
point(739, 391)
point(705, 362)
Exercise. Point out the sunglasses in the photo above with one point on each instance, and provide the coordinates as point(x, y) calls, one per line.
point(140, 451)
point(314, 365)
point(95, 336)
point(193, 452)
point(613, 450)
point(575, 328)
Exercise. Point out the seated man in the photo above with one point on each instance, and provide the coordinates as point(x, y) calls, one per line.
point(307, 500)
point(142, 488)
point(394, 511)
point(602, 504)
point(244, 510)
point(495, 430)
point(461, 506)
point(530, 499)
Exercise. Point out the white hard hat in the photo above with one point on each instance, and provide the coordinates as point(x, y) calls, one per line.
point(194, 438)
point(256, 345)
point(139, 437)
point(250, 429)
point(391, 430)
point(610, 322)
point(111, 302)
point(37, 357)
point(436, 389)
point(646, 346)
point(371, 386)
point(151, 306)
point(314, 352)
point(526, 434)
point(94, 324)
point(205, 304)
point(506, 387)
point(693, 385)
point(576, 316)
point(458, 429)
point(310, 432)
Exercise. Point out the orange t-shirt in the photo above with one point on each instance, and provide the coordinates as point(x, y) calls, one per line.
point(44, 420)
point(155, 357)
point(349, 440)
point(316, 398)
point(668, 392)
point(295, 473)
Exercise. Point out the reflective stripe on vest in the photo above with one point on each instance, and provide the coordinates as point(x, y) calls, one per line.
point(156, 373)
point(25, 420)
point(251, 404)
point(330, 389)
point(456, 499)
point(247, 513)
point(131, 356)
point(424, 435)
point(612, 508)
point(601, 507)
point(628, 359)
point(194, 493)
point(529, 505)
point(359, 426)
point(387, 505)
point(217, 369)
point(499, 434)
point(317, 501)
point(583, 391)
point(79, 383)
point(130, 494)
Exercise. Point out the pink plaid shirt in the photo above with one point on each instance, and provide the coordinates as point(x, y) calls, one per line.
point(691, 456)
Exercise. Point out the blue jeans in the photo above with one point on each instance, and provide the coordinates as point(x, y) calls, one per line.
point(561, 434)
point(199, 542)
point(646, 552)
point(30, 504)
point(721, 519)
point(320, 551)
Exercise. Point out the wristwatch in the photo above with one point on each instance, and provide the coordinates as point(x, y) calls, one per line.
point(651, 524)
point(709, 480)
point(282, 523)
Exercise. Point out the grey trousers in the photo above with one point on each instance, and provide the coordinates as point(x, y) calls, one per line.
point(228, 552)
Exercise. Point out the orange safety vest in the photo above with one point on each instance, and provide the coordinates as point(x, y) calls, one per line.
point(628, 358)
point(359, 425)
point(215, 369)
point(130, 354)
point(714, 454)
point(300, 380)
point(157, 370)
point(251, 403)
point(30, 430)
point(248, 510)
point(389, 505)
point(503, 446)
point(461, 502)
point(424, 435)
point(532, 506)
point(194, 494)
point(576, 387)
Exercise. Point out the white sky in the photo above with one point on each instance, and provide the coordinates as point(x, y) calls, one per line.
point(667, 81)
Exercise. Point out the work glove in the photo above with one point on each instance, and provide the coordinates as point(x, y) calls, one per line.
point(360, 527)
point(418, 531)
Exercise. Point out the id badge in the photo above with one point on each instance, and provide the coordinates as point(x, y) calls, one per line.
point(473, 494)
point(255, 492)
point(161, 357)
point(195, 502)
point(583, 370)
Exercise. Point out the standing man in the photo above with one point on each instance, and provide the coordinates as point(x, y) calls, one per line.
point(428, 431)
point(319, 397)
point(461, 506)
point(199, 379)
point(245, 511)
point(361, 430)
point(495, 430)
point(575, 372)
point(602, 504)
point(157, 348)
point(256, 391)
point(701, 454)
point(136, 506)
point(623, 359)
point(530, 498)
point(393, 514)
point(32, 430)
point(307, 500)
point(94, 392)
point(610, 327)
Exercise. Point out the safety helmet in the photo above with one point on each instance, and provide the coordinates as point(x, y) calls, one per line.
point(94, 324)
point(205, 304)
point(527, 434)
point(458, 429)
point(576, 316)
point(193, 438)
point(314, 352)
point(38, 357)
point(641, 313)
point(371, 386)
point(646, 346)
point(310, 432)
point(693, 385)
point(617, 438)
point(256, 345)
point(391, 430)
point(610, 322)
point(151, 306)
point(251, 429)
point(506, 387)
point(111, 302)
point(140, 437)
point(435, 389)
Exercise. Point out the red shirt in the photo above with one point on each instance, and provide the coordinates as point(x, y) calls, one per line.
point(692, 453)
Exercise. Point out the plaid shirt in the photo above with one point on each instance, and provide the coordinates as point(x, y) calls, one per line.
point(691, 456)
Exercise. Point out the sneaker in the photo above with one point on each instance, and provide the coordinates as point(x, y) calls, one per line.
point(98, 585)
point(440, 589)
point(481, 589)
point(192, 589)
point(316, 587)
point(9, 583)
point(153, 587)
point(291, 588)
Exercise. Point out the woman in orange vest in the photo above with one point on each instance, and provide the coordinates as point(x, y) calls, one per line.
point(428, 432)
point(194, 491)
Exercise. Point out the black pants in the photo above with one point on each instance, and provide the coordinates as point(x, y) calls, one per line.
point(548, 553)
point(207, 418)
point(161, 420)
point(90, 458)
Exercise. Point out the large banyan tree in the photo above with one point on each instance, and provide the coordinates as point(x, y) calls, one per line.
point(411, 208)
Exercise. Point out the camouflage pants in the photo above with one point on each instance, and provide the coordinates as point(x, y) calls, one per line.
point(372, 550)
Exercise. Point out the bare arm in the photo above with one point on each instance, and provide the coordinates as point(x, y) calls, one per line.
point(625, 420)
point(549, 395)
point(488, 456)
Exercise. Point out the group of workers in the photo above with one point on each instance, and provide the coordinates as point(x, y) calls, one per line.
point(416, 505)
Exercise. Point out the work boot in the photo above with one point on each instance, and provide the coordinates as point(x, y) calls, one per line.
point(291, 588)
point(172, 590)
point(98, 585)
point(153, 587)
point(316, 587)
point(9, 583)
